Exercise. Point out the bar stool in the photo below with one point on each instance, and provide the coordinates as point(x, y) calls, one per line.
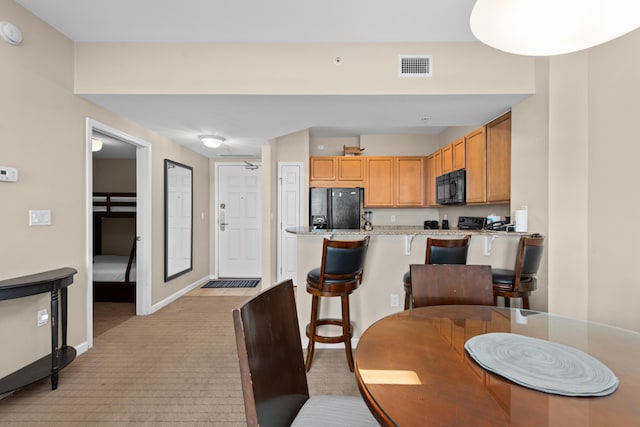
point(439, 251)
point(339, 274)
point(521, 281)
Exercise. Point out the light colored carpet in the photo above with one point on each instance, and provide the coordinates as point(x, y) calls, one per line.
point(178, 367)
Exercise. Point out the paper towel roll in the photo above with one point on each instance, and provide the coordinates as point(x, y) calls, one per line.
point(521, 220)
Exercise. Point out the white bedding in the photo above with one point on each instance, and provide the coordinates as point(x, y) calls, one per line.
point(112, 268)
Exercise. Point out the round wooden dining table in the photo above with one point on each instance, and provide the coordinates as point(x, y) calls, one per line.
point(412, 370)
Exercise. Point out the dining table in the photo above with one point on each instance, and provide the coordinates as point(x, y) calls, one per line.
point(413, 369)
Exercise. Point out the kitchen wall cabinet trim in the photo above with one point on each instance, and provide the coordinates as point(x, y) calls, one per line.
point(498, 156)
point(476, 166)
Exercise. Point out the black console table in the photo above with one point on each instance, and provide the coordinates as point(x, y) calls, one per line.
point(56, 282)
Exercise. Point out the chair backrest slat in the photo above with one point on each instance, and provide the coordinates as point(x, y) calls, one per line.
point(274, 381)
point(451, 284)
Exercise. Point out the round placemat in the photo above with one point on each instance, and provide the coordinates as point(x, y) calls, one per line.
point(542, 365)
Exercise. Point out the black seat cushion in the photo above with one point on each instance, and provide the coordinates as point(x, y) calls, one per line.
point(504, 276)
point(314, 277)
point(406, 279)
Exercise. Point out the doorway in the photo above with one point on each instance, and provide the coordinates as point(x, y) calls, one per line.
point(140, 153)
point(290, 213)
point(238, 207)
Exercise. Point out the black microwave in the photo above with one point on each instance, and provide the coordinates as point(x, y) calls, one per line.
point(450, 188)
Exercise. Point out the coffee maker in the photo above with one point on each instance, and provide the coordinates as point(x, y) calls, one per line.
point(367, 220)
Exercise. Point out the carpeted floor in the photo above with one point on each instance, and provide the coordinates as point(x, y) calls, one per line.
point(177, 367)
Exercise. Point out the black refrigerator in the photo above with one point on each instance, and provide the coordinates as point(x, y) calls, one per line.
point(334, 208)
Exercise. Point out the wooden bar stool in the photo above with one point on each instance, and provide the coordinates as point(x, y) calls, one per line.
point(521, 281)
point(439, 251)
point(338, 276)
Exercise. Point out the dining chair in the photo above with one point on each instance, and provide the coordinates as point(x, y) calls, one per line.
point(521, 281)
point(451, 284)
point(274, 381)
point(439, 251)
point(339, 274)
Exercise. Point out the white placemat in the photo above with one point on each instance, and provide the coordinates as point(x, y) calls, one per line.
point(542, 365)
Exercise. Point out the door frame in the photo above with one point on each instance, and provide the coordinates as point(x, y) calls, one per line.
point(143, 218)
point(281, 165)
point(216, 203)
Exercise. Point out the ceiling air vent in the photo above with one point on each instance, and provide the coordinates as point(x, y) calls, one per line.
point(414, 65)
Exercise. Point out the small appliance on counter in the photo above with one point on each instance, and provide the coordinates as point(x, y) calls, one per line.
point(471, 222)
point(367, 220)
point(431, 225)
point(334, 208)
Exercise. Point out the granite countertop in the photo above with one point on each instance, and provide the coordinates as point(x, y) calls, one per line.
point(389, 230)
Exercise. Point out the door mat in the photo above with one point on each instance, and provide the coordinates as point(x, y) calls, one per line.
point(236, 283)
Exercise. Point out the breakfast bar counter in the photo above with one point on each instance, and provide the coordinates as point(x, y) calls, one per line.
point(391, 250)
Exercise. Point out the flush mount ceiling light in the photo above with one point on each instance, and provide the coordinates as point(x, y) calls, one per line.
point(96, 144)
point(212, 141)
point(552, 27)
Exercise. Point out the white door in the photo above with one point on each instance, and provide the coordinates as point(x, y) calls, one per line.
point(239, 220)
point(289, 215)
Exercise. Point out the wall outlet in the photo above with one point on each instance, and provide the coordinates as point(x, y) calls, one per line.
point(43, 317)
point(395, 300)
point(393, 218)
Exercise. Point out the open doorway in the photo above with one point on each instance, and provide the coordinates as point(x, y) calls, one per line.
point(118, 228)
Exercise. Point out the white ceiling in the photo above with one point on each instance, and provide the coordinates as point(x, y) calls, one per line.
point(249, 121)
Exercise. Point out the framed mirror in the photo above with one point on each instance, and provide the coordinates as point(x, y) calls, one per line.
point(178, 219)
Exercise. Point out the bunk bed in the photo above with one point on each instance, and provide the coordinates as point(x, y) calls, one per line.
point(114, 276)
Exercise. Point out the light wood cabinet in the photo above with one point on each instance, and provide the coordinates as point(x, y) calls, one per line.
point(322, 168)
point(453, 156)
point(395, 182)
point(459, 156)
point(499, 159)
point(488, 166)
point(410, 181)
point(380, 182)
point(476, 166)
point(432, 173)
point(351, 168)
point(336, 171)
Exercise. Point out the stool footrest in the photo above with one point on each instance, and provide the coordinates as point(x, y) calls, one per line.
point(329, 339)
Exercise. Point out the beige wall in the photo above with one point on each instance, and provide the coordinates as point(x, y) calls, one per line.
point(43, 137)
point(295, 68)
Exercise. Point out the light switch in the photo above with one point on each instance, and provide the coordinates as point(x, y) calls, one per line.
point(40, 217)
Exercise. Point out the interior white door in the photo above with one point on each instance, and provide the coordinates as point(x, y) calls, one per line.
point(239, 221)
point(289, 215)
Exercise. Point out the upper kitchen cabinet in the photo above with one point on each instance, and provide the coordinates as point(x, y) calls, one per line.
point(395, 182)
point(336, 171)
point(453, 156)
point(434, 169)
point(410, 182)
point(488, 167)
point(476, 166)
point(380, 182)
point(499, 159)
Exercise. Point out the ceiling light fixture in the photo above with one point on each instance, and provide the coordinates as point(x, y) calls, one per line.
point(552, 27)
point(96, 144)
point(212, 141)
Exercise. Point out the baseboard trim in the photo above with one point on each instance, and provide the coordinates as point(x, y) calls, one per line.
point(171, 298)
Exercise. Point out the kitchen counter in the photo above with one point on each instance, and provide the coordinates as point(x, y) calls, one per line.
point(391, 250)
point(390, 230)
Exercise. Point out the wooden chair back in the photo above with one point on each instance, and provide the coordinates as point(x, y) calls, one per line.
point(342, 263)
point(528, 260)
point(274, 382)
point(447, 251)
point(451, 284)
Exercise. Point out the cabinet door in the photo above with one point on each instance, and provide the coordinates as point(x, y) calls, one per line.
point(447, 158)
point(410, 181)
point(475, 165)
point(437, 160)
point(459, 154)
point(351, 168)
point(322, 168)
point(380, 182)
point(499, 159)
point(431, 180)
